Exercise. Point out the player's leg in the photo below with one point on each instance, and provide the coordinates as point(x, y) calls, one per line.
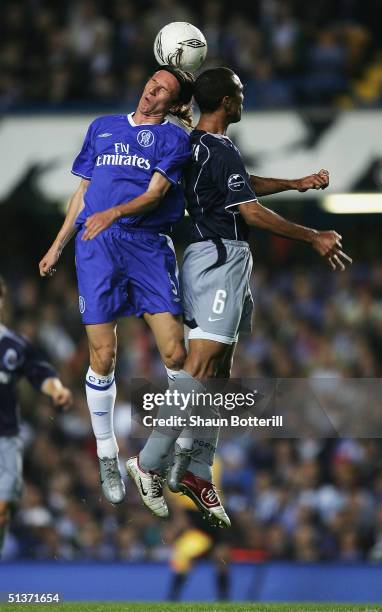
point(101, 394)
point(4, 520)
point(225, 365)
point(215, 288)
point(103, 298)
point(156, 297)
point(169, 337)
point(205, 362)
point(221, 558)
point(206, 359)
point(189, 546)
point(148, 469)
point(10, 480)
point(191, 472)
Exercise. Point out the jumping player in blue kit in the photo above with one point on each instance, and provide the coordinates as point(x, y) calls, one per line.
point(126, 204)
point(121, 283)
point(18, 359)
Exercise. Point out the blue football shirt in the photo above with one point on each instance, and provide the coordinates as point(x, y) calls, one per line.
point(119, 158)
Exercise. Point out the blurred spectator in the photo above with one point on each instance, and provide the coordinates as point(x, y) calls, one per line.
point(290, 54)
point(307, 499)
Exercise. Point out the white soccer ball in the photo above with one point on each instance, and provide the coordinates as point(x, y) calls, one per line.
point(180, 44)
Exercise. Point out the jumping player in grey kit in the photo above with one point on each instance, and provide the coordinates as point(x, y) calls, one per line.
point(222, 203)
point(18, 359)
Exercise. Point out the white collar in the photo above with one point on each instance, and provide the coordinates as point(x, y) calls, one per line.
point(219, 135)
point(133, 124)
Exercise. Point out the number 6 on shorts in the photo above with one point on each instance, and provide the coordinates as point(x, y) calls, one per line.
point(219, 301)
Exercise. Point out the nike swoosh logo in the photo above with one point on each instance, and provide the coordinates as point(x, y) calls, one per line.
point(142, 489)
point(105, 135)
point(218, 319)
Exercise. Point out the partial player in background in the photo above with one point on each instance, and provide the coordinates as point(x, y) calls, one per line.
point(123, 210)
point(222, 202)
point(18, 359)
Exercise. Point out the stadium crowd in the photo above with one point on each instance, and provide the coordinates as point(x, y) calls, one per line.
point(94, 53)
point(304, 499)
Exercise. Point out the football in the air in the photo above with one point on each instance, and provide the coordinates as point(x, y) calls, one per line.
point(180, 44)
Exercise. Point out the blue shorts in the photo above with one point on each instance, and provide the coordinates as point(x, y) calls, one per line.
point(122, 273)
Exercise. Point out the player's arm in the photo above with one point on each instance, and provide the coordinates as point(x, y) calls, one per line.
point(267, 186)
point(328, 244)
point(146, 202)
point(66, 232)
point(43, 376)
point(60, 395)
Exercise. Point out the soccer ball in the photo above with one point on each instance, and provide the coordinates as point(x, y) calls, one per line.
point(180, 44)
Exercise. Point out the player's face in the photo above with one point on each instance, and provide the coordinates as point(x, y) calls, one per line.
point(235, 107)
point(160, 93)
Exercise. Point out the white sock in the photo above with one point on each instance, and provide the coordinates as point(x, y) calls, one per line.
point(171, 374)
point(101, 392)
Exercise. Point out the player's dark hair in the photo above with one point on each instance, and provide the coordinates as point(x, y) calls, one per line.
point(212, 86)
point(182, 106)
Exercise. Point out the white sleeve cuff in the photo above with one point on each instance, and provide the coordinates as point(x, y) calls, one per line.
point(88, 178)
point(238, 203)
point(170, 180)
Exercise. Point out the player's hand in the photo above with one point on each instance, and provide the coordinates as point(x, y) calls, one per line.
point(97, 223)
point(46, 265)
point(329, 245)
point(62, 398)
point(320, 180)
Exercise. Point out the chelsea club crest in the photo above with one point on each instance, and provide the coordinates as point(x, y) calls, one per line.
point(145, 138)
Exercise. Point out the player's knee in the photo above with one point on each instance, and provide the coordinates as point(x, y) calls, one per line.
point(175, 357)
point(102, 359)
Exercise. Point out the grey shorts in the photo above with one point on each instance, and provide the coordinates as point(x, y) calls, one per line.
point(216, 290)
point(11, 468)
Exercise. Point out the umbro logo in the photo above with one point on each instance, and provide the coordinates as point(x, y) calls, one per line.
point(104, 135)
point(195, 43)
